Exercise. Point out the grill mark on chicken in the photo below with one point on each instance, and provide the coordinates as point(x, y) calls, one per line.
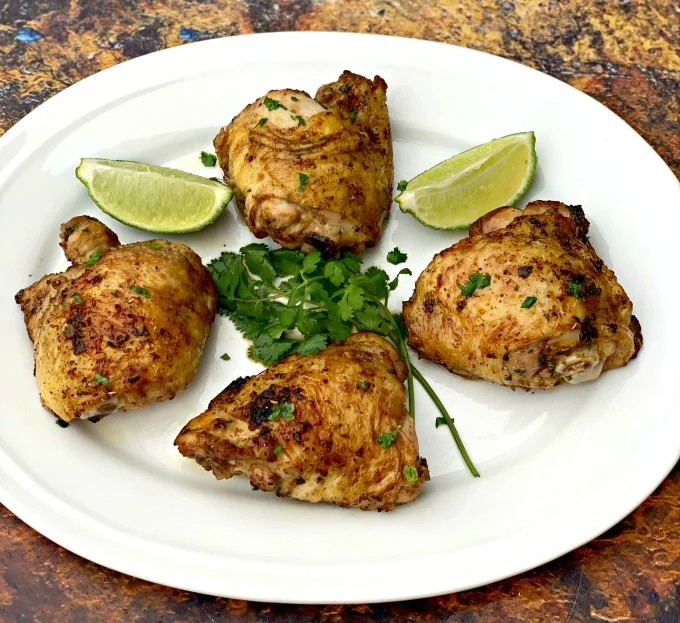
point(591, 289)
point(588, 330)
point(77, 321)
point(581, 222)
point(637, 335)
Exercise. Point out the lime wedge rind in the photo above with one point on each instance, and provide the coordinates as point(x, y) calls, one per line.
point(153, 198)
point(454, 193)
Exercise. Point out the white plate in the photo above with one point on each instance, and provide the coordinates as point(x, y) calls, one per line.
point(558, 467)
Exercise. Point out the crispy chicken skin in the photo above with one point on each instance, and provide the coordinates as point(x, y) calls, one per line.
point(119, 334)
point(343, 398)
point(580, 324)
point(340, 141)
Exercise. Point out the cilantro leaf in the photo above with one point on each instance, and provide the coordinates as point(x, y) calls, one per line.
point(345, 309)
point(208, 159)
point(95, 256)
point(351, 262)
point(303, 179)
point(476, 281)
point(575, 286)
point(286, 262)
point(375, 282)
point(257, 260)
point(395, 256)
point(297, 295)
point(262, 121)
point(395, 282)
point(401, 186)
point(369, 319)
point(386, 440)
point(226, 273)
point(268, 350)
point(312, 344)
point(355, 297)
point(309, 322)
point(310, 262)
point(284, 410)
point(249, 327)
point(333, 271)
point(278, 450)
point(318, 294)
point(272, 104)
point(338, 329)
point(440, 421)
point(285, 320)
point(225, 357)
point(101, 380)
point(410, 473)
point(255, 309)
point(143, 292)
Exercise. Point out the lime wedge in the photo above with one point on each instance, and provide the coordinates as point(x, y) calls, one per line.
point(152, 198)
point(456, 192)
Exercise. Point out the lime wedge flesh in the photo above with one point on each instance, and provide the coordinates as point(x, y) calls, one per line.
point(456, 192)
point(153, 198)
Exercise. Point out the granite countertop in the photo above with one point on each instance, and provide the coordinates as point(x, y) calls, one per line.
point(625, 53)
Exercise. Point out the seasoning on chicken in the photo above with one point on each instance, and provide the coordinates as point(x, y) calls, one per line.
point(330, 427)
point(524, 301)
point(313, 173)
point(123, 327)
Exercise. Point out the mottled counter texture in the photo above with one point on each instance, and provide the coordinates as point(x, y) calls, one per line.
point(625, 53)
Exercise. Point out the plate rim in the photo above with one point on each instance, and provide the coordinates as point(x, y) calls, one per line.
point(360, 594)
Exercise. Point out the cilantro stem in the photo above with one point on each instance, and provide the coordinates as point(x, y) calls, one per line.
point(398, 341)
point(449, 421)
point(304, 284)
point(409, 381)
point(413, 371)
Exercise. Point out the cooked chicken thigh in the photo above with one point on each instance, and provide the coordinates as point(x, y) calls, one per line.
point(313, 173)
point(307, 428)
point(122, 328)
point(524, 301)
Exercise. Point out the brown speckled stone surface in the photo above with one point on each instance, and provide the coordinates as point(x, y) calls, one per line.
point(625, 53)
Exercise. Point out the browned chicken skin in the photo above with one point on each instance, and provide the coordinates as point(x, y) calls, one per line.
point(324, 448)
point(313, 173)
point(579, 325)
point(122, 332)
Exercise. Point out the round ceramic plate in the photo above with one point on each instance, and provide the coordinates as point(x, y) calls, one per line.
point(558, 467)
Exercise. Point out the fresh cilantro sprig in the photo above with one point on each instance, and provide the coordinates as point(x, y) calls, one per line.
point(395, 256)
point(287, 302)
